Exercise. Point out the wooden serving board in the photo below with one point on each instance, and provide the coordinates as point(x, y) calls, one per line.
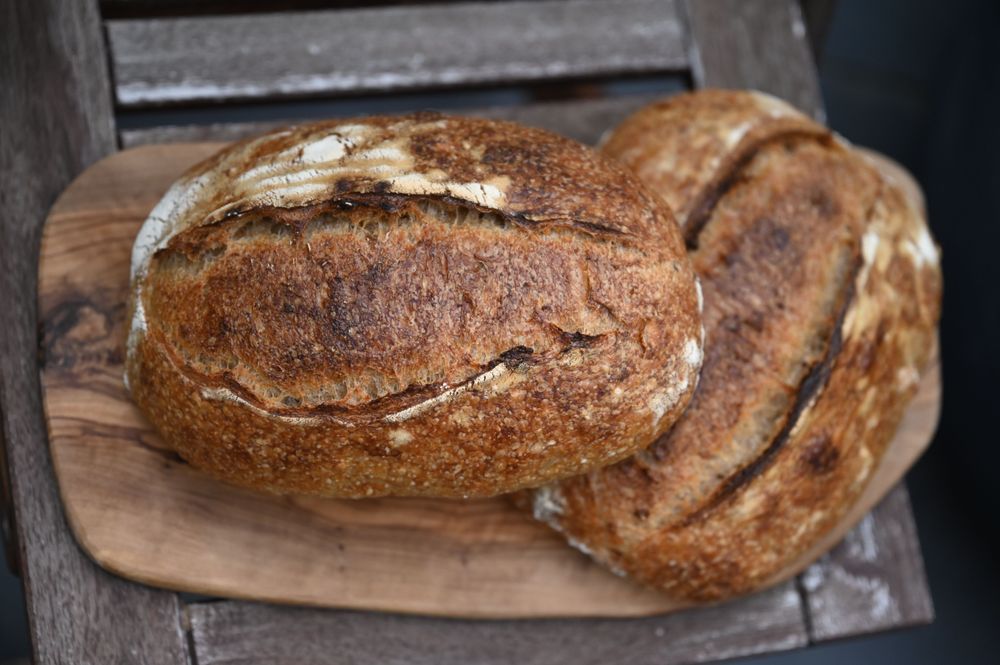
point(139, 511)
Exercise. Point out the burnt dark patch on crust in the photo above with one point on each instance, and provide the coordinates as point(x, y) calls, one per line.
point(516, 357)
point(820, 455)
point(297, 217)
point(812, 384)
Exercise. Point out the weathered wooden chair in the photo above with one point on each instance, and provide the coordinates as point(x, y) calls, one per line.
point(74, 84)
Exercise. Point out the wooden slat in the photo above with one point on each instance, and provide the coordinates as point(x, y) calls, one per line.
point(249, 634)
point(874, 580)
point(56, 94)
point(583, 120)
point(761, 44)
point(159, 61)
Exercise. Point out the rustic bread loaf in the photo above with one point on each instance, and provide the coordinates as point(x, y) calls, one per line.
point(821, 297)
point(421, 305)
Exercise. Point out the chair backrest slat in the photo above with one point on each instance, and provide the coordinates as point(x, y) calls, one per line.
point(761, 45)
point(297, 54)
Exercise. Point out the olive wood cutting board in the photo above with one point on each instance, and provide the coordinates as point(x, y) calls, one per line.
point(139, 511)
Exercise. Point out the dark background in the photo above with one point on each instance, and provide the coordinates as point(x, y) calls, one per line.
point(920, 81)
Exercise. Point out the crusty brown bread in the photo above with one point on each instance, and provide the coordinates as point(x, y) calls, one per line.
point(421, 305)
point(822, 291)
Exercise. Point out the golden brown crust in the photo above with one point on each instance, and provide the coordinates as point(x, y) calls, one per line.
point(415, 306)
point(822, 294)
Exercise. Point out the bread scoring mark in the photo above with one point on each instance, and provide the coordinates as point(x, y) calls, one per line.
point(736, 134)
point(496, 379)
point(479, 381)
point(366, 158)
point(223, 394)
point(385, 153)
point(806, 396)
point(327, 149)
point(489, 194)
point(729, 176)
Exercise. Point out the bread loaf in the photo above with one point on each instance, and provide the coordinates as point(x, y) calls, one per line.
point(821, 298)
point(421, 305)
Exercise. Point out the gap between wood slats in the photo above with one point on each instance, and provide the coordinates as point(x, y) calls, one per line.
point(578, 110)
point(120, 9)
point(582, 120)
point(299, 54)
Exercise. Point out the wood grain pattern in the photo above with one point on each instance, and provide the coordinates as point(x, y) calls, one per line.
point(251, 634)
point(56, 94)
point(142, 513)
point(761, 45)
point(583, 120)
point(160, 61)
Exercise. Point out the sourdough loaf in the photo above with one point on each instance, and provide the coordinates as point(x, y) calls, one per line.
point(821, 298)
point(419, 305)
